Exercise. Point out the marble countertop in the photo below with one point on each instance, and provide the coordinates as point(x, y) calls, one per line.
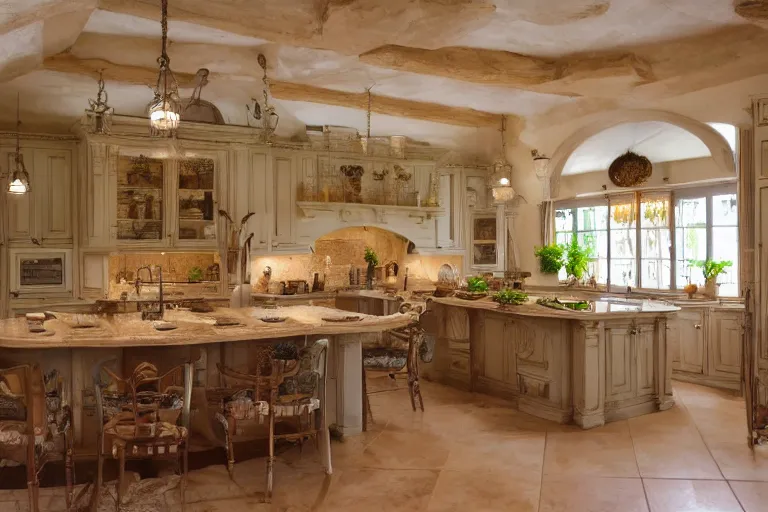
point(70, 330)
point(370, 294)
point(606, 309)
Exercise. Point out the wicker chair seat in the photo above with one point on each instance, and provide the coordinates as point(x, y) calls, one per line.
point(385, 359)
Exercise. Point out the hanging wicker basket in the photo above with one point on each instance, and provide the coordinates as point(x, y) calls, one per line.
point(630, 169)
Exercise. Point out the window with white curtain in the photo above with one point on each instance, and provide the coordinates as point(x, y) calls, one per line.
point(647, 248)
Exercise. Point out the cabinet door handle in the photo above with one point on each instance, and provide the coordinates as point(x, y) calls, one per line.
point(697, 326)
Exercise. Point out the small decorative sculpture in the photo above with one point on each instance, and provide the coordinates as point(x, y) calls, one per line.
point(354, 174)
point(267, 115)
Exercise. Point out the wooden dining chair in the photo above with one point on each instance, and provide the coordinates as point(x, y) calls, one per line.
point(35, 425)
point(143, 416)
point(285, 386)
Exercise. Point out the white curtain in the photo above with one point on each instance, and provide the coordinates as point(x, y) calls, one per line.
point(547, 214)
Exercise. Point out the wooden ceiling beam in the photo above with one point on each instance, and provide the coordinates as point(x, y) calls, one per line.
point(495, 67)
point(138, 75)
point(386, 105)
point(68, 63)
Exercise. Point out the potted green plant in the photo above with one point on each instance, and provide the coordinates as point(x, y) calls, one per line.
point(372, 259)
point(711, 269)
point(507, 297)
point(195, 275)
point(477, 288)
point(550, 258)
point(577, 260)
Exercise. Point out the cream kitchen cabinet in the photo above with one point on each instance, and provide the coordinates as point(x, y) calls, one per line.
point(629, 361)
point(43, 217)
point(686, 341)
point(706, 346)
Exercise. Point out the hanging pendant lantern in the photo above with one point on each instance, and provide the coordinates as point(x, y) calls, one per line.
point(165, 109)
point(19, 180)
point(501, 177)
point(630, 170)
point(99, 116)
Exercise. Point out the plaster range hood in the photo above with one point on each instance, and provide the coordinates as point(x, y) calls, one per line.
point(416, 223)
point(382, 214)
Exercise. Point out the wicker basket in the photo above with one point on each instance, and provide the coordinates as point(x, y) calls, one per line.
point(630, 169)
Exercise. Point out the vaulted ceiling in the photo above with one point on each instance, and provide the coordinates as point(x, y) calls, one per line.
point(440, 70)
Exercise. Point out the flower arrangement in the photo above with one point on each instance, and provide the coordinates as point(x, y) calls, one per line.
point(370, 257)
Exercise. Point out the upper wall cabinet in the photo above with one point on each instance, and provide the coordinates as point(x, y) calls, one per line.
point(152, 200)
point(44, 215)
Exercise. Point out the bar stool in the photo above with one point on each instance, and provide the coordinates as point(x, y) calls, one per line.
point(285, 385)
point(35, 425)
point(399, 355)
point(144, 416)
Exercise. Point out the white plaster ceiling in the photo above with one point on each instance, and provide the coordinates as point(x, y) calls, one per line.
point(659, 142)
point(317, 42)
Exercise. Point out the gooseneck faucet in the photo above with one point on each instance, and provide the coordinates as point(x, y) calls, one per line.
point(152, 315)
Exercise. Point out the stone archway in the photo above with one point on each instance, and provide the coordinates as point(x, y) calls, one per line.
point(718, 146)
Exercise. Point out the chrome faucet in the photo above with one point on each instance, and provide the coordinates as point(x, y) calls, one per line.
point(149, 314)
point(138, 282)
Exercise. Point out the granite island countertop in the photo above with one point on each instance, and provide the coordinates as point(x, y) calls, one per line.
point(604, 309)
point(70, 330)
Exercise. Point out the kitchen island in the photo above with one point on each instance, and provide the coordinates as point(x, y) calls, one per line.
point(587, 367)
point(73, 343)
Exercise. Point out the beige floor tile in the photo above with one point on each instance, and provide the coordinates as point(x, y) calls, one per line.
point(590, 494)
point(738, 462)
point(681, 455)
point(493, 452)
point(590, 454)
point(753, 496)
point(460, 491)
point(690, 496)
point(405, 450)
point(368, 490)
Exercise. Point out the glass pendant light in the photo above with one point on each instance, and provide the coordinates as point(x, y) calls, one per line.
point(19, 182)
point(165, 109)
point(501, 177)
point(540, 163)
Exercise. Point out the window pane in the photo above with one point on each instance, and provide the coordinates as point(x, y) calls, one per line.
point(592, 218)
point(691, 244)
point(724, 211)
point(622, 271)
point(655, 213)
point(623, 243)
point(656, 274)
point(655, 243)
point(725, 246)
point(563, 220)
point(691, 212)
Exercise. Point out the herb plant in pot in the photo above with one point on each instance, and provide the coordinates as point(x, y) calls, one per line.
point(550, 258)
point(477, 288)
point(711, 269)
point(372, 259)
point(195, 275)
point(577, 260)
point(507, 297)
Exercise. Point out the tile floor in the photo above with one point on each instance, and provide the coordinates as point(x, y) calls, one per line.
point(473, 453)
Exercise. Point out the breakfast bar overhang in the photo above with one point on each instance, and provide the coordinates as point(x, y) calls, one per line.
point(74, 343)
point(587, 367)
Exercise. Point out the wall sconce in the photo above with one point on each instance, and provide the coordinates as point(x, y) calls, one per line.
point(540, 163)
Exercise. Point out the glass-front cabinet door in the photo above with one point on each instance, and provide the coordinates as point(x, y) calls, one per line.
point(196, 200)
point(140, 199)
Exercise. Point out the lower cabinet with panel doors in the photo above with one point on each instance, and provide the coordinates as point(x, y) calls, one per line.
point(705, 346)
